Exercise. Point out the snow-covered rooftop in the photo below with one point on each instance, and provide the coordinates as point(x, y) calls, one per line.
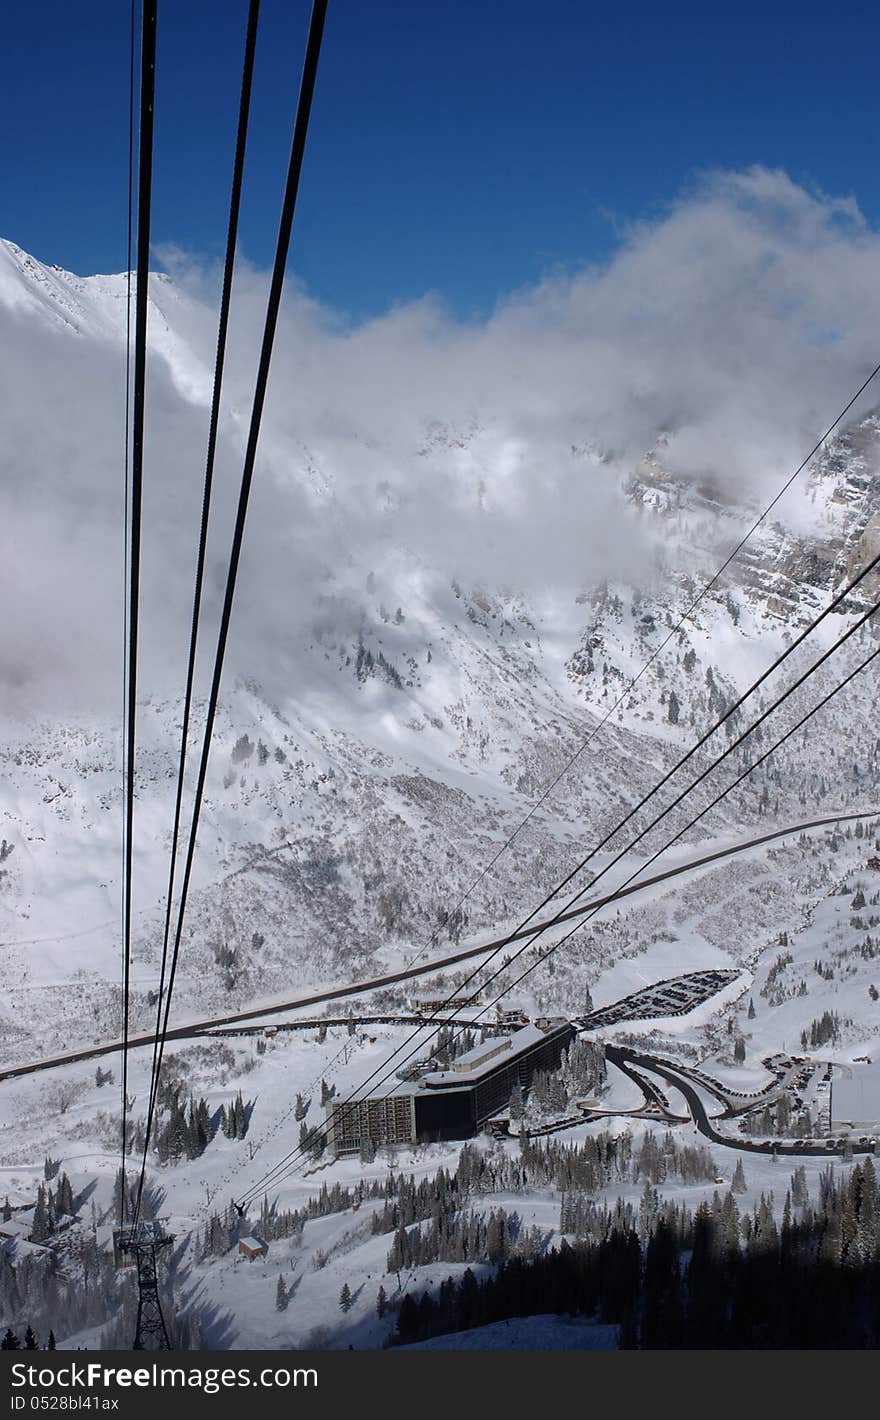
point(485, 1057)
point(15, 1228)
point(855, 1094)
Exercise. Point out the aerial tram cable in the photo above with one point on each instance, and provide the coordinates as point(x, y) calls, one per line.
point(565, 911)
point(297, 152)
point(518, 931)
point(145, 181)
point(287, 1167)
point(654, 655)
point(658, 651)
point(222, 331)
point(623, 696)
point(622, 890)
point(126, 961)
point(319, 6)
point(836, 602)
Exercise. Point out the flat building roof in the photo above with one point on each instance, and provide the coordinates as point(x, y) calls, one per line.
point(482, 1060)
point(487, 1056)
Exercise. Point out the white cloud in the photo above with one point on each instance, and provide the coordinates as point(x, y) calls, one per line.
point(416, 447)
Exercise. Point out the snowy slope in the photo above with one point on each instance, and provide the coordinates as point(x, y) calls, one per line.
point(374, 765)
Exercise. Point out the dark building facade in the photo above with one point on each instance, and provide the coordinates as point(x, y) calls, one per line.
point(453, 1103)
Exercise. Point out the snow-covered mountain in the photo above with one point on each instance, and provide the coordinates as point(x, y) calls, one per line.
point(377, 748)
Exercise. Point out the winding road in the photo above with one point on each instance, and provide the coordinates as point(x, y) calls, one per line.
point(626, 1059)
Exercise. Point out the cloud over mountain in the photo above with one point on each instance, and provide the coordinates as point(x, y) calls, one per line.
point(411, 447)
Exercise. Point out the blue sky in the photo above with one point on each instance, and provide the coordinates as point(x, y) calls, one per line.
point(462, 148)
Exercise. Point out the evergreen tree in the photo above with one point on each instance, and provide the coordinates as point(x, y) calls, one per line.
point(64, 1202)
point(240, 1117)
point(738, 1182)
point(381, 1303)
point(10, 1341)
point(345, 1298)
point(30, 1340)
point(40, 1228)
point(281, 1294)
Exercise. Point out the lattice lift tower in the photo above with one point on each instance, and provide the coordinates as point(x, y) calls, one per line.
point(151, 1333)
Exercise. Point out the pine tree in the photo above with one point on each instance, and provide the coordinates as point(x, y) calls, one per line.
point(281, 1295)
point(40, 1227)
point(751, 1009)
point(738, 1182)
point(30, 1340)
point(345, 1298)
point(50, 1344)
point(381, 1302)
point(203, 1125)
point(10, 1341)
point(64, 1196)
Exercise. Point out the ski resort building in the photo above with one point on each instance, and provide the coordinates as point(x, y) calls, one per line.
point(251, 1248)
point(454, 1103)
point(426, 1003)
point(16, 1229)
point(855, 1096)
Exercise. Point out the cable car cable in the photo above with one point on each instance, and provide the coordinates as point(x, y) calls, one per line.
point(222, 332)
point(529, 942)
point(294, 170)
point(145, 182)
